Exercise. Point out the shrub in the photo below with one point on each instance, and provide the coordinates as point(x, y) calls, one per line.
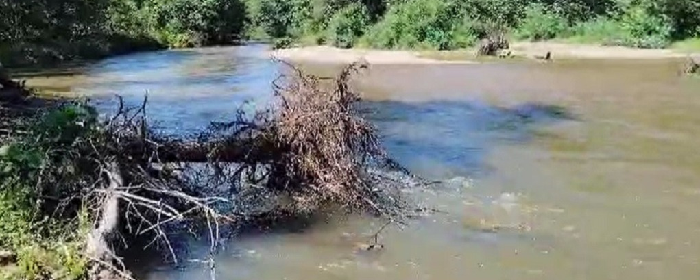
point(540, 24)
point(187, 22)
point(600, 30)
point(683, 16)
point(646, 27)
point(464, 34)
point(281, 18)
point(498, 12)
point(639, 25)
point(45, 247)
point(347, 26)
point(426, 24)
point(282, 43)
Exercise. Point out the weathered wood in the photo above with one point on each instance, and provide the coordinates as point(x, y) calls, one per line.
point(692, 66)
point(493, 44)
point(244, 150)
point(7, 257)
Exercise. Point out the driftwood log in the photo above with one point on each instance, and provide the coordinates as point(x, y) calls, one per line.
point(692, 66)
point(493, 44)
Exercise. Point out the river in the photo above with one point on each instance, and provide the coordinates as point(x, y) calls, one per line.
point(590, 168)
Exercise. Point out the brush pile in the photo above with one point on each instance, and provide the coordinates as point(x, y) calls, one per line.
point(493, 43)
point(310, 149)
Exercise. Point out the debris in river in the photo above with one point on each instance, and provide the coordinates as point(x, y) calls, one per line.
point(310, 150)
point(493, 43)
point(504, 53)
point(546, 57)
point(692, 66)
point(7, 257)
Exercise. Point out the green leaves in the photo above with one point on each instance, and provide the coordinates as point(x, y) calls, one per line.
point(348, 25)
point(426, 24)
point(646, 27)
point(541, 24)
point(183, 23)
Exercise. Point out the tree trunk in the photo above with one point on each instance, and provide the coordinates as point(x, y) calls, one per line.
point(246, 150)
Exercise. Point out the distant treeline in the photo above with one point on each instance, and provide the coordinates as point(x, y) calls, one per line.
point(47, 30)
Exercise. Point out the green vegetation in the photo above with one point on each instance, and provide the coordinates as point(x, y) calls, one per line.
point(51, 31)
point(45, 246)
point(48, 31)
point(454, 24)
point(45, 172)
point(689, 45)
point(77, 191)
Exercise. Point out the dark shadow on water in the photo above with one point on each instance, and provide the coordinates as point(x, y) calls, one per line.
point(443, 139)
point(142, 61)
point(48, 72)
point(437, 140)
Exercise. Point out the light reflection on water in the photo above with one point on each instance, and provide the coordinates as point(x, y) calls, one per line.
point(584, 170)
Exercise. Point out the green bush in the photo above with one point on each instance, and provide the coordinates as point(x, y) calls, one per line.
point(49, 31)
point(541, 24)
point(196, 22)
point(600, 30)
point(639, 25)
point(646, 27)
point(283, 18)
point(47, 246)
point(464, 34)
point(273, 17)
point(495, 12)
point(425, 24)
point(347, 26)
point(683, 16)
point(582, 10)
point(282, 43)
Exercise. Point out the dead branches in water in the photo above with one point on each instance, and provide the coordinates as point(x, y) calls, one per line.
point(692, 66)
point(493, 43)
point(309, 150)
point(327, 147)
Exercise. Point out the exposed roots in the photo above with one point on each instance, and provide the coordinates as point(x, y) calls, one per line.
point(327, 149)
point(309, 150)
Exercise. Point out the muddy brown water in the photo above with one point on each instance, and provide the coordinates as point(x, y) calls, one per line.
point(565, 170)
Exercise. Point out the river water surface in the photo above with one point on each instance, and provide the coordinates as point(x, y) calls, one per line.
point(565, 170)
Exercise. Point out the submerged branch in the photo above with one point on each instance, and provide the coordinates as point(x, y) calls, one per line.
point(311, 149)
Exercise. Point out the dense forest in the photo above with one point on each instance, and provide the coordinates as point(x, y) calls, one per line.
point(53, 30)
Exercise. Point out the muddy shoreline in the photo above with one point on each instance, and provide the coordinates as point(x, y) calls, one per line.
point(330, 55)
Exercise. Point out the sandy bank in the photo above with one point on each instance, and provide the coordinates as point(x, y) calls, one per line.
point(564, 50)
point(325, 54)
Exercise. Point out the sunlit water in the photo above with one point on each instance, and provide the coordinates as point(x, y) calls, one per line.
point(564, 170)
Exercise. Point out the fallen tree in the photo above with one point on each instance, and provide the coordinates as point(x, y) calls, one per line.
point(118, 179)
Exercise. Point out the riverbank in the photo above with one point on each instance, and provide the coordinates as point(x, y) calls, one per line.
point(326, 54)
point(51, 54)
point(333, 55)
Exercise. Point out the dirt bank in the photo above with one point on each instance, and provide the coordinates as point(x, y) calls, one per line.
point(325, 54)
point(565, 50)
